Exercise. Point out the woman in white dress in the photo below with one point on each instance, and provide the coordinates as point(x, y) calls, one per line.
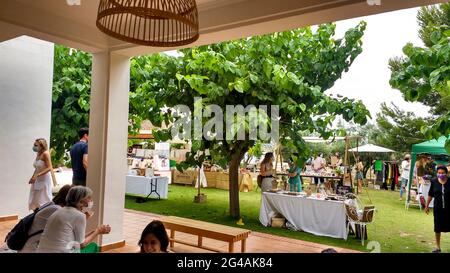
point(41, 182)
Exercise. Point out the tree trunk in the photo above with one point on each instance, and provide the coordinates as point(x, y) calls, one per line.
point(236, 158)
point(234, 187)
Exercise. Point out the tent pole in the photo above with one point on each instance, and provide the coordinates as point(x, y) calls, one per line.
point(357, 161)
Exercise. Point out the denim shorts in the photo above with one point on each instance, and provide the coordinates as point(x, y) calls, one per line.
point(359, 176)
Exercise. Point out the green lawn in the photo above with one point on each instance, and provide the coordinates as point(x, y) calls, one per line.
point(396, 229)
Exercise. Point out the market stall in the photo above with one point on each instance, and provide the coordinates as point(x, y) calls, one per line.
point(313, 214)
point(335, 174)
point(381, 168)
point(435, 147)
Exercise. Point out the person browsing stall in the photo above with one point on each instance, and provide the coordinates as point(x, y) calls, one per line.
point(294, 177)
point(406, 165)
point(267, 172)
point(319, 165)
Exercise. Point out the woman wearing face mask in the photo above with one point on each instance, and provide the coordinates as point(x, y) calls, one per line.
point(440, 191)
point(154, 238)
point(40, 220)
point(41, 182)
point(66, 228)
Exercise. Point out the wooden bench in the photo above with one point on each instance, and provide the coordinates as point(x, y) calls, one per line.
point(205, 229)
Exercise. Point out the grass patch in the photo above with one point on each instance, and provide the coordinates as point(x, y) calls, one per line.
point(396, 229)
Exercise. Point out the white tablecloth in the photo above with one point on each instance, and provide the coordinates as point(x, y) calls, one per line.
point(141, 185)
point(319, 217)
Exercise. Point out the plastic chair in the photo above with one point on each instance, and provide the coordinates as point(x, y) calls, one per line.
point(358, 217)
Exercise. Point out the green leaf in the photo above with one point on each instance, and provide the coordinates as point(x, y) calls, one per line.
point(239, 86)
point(435, 37)
point(267, 69)
point(254, 78)
point(302, 107)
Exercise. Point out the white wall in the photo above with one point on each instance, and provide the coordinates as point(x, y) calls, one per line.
point(26, 73)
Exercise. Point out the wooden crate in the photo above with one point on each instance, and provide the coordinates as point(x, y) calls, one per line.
point(188, 177)
point(211, 179)
point(222, 180)
point(278, 222)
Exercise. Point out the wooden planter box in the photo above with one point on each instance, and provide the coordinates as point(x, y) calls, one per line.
point(211, 179)
point(222, 181)
point(187, 177)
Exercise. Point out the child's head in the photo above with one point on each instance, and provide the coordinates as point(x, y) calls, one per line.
point(154, 238)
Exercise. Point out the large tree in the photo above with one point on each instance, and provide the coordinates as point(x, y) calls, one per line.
point(397, 129)
point(424, 73)
point(70, 99)
point(291, 69)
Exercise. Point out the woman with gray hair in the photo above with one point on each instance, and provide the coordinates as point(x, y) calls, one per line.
point(65, 229)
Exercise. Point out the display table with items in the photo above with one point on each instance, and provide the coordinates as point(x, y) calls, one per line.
point(316, 214)
point(336, 179)
point(156, 186)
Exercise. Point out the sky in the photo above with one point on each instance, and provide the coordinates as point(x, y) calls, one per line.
point(368, 77)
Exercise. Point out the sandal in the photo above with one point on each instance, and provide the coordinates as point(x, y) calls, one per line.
point(436, 250)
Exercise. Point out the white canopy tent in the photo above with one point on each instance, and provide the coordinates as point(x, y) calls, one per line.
point(370, 148)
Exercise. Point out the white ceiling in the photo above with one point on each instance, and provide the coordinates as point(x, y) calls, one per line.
point(56, 21)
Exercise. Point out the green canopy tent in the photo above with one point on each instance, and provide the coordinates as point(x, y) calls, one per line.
point(432, 147)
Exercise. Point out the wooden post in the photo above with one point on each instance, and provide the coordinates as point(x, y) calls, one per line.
point(198, 181)
point(281, 167)
point(345, 157)
point(357, 161)
point(231, 247)
point(243, 244)
point(276, 158)
point(172, 237)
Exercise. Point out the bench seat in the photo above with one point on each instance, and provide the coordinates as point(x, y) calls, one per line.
point(207, 230)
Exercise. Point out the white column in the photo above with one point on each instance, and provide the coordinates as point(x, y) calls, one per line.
point(26, 76)
point(108, 136)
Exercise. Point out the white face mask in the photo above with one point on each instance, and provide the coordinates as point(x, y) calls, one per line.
point(89, 206)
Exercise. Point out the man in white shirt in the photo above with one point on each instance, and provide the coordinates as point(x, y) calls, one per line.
point(406, 165)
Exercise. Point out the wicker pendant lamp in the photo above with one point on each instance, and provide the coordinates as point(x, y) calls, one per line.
point(161, 23)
